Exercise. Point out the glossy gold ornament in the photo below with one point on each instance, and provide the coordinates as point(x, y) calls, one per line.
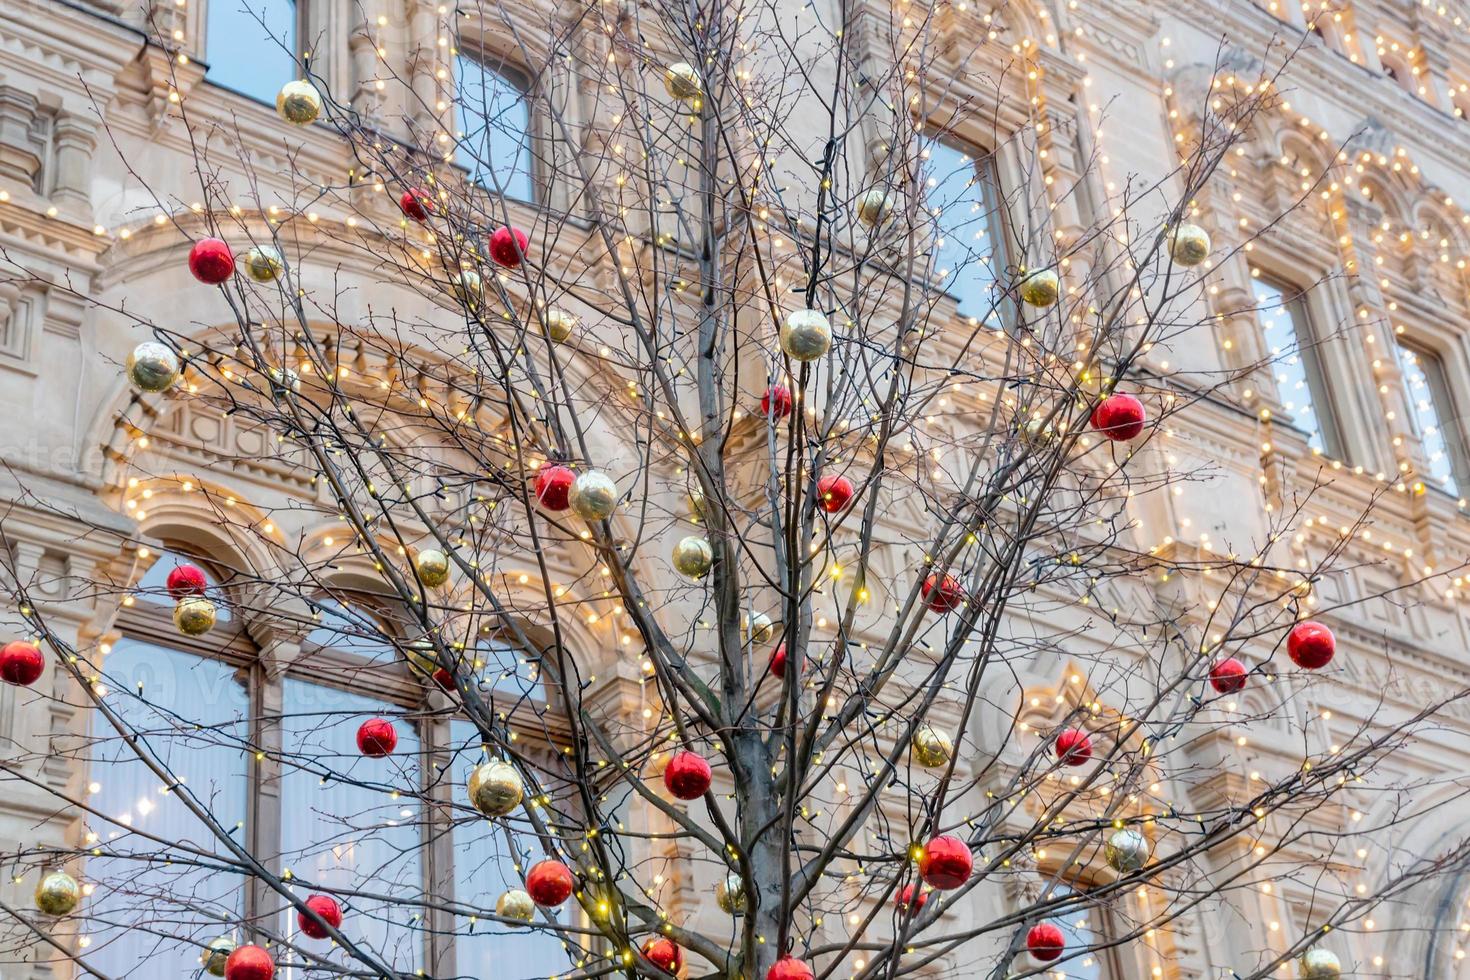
point(516, 904)
point(693, 556)
point(195, 615)
point(495, 788)
point(594, 496)
point(153, 366)
point(698, 507)
point(873, 206)
point(930, 747)
point(1189, 245)
point(213, 956)
point(432, 567)
point(1319, 964)
point(263, 263)
point(730, 894)
point(1041, 288)
point(299, 102)
point(422, 658)
point(758, 629)
point(682, 82)
point(58, 893)
point(1126, 850)
point(468, 288)
point(806, 335)
point(559, 324)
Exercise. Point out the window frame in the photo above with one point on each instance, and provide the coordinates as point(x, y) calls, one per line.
point(515, 74)
point(299, 30)
point(987, 172)
point(1100, 917)
point(1296, 304)
point(1436, 370)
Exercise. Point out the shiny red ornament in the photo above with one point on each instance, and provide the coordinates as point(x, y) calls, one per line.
point(834, 493)
point(21, 663)
point(911, 898)
point(789, 968)
point(1119, 417)
point(549, 883)
point(943, 595)
point(211, 261)
point(416, 203)
point(444, 679)
point(1310, 645)
point(327, 908)
point(778, 662)
point(554, 487)
point(186, 580)
point(376, 738)
point(508, 246)
point(687, 775)
point(777, 402)
point(664, 953)
point(1045, 942)
point(1073, 747)
point(249, 963)
point(1228, 676)
point(945, 863)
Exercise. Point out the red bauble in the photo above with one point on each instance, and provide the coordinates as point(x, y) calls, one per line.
point(1310, 645)
point(664, 953)
point(444, 679)
point(789, 968)
point(945, 863)
point(777, 402)
point(1045, 942)
point(943, 595)
point(1119, 417)
point(21, 663)
point(911, 899)
point(834, 493)
point(211, 261)
point(687, 775)
point(249, 963)
point(376, 738)
point(416, 203)
point(508, 246)
point(325, 907)
point(1074, 747)
point(554, 486)
point(186, 580)
point(1228, 676)
point(778, 662)
point(549, 883)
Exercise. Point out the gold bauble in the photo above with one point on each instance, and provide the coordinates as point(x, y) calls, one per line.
point(1041, 288)
point(194, 615)
point(1189, 245)
point(873, 206)
point(698, 507)
point(516, 904)
point(468, 288)
point(213, 956)
point(153, 366)
point(693, 556)
point(1126, 850)
point(432, 566)
point(806, 335)
point(682, 82)
point(594, 496)
point(758, 629)
point(559, 324)
point(730, 894)
point(422, 657)
point(263, 263)
point(1319, 964)
point(58, 893)
point(299, 102)
point(931, 748)
point(495, 788)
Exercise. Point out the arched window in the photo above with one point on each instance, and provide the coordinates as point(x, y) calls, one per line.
point(494, 120)
point(1086, 924)
point(962, 196)
point(250, 46)
point(1431, 413)
point(153, 586)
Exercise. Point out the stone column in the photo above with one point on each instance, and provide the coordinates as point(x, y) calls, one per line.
point(74, 141)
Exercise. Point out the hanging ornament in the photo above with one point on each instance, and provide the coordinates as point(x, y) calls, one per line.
point(873, 207)
point(186, 580)
point(549, 883)
point(698, 507)
point(1041, 288)
point(594, 496)
point(930, 747)
point(945, 863)
point(554, 487)
point(508, 246)
point(432, 567)
point(1045, 942)
point(1126, 850)
point(213, 956)
point(687, 775)
point(249, 963)
point(1119, 417)
point(326, 909)
point(778, 662)
point(468, 288)
point(1319, 964)
point(422, 658)
point(834, 493)
point(58, 893)
point(806, 335)
point(21, 663)
point(911, 899)
point(284, 379)
point(943, 595)
point(789, 968)
point(1310, 645)
point(153, 366)
point(777, 402)
point(560, 324)
point(1036, 433)
point(730, 894)
point(495, 788)
point(663, 953)
point(757, 629)
point(211, 261)
point(1189, 245)
point(515, 904)
point(416, 203)
point(1228, 676)
point(682, 82)
point(194, 616)
point(299, 102)
point(693, 557)
point(263, 263)
point(445, 680)
point(1073, 747)
point(377, 738)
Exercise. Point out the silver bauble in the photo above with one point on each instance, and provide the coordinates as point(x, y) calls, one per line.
point(1189, 245)
point(1041, 288)
point(468, 288)
point(559, 324)
point(284, 378)
point(930, 747)
point(682, 82)
point(432, 567)
point(495, 788)
point(299, 102)
point(213, 956)
point(194, 615)
point(1319, 964)
point(758, 629)
point(1035, 432)
point(516, 904)
point(730, 894)
point(594, 496)
point(873, 206)
point(58, 893)
point(693, 556)
point(1126, 850)
point(153, 366)
point(263, 263)
point(806, 335)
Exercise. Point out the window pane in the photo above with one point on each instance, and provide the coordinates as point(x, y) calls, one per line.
point(1426, 416)
point(504, 671)
point(153, 586)
point(494, 125)
point(352, 629)
point(250, 44)
point(194, 714)
point(351, 835)
point(1286, 339)
point(960, 194)
point(1082, 930)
